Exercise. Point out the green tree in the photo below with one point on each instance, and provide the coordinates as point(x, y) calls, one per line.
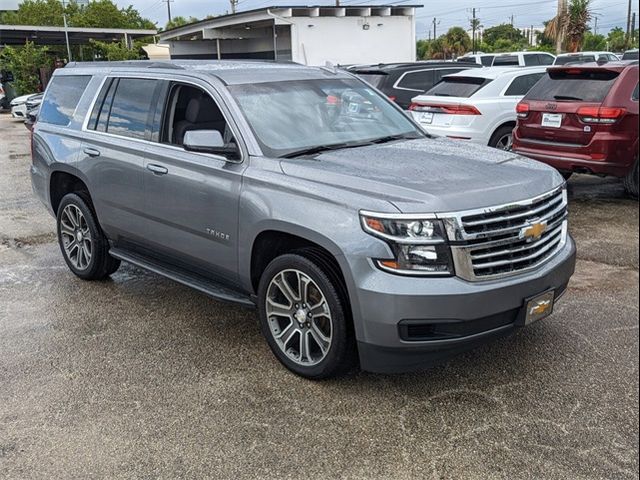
point(593, 42)
point(504, 31)
point(568, 28)
point(422, 49)
point(456, 42)
point(176, 22)
point(25, 63)
point(35, 12)
point(616, 39)
point(437, 48)
point(116, 51)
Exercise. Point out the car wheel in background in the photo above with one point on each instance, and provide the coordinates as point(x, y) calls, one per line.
point(84, 247)
point(502, 138)
point(631, 181)
point(304, 317)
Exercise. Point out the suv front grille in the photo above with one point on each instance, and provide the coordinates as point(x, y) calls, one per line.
point(500, 241)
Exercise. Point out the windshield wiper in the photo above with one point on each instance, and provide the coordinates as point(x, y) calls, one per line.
point(567, 97)
point(391, 138)
point(314, 150)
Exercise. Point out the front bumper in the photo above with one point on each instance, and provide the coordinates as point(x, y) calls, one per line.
point(469, 313)
point(19, 111)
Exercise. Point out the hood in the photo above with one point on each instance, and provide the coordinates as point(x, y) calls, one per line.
point(21, 99)
point(429, 175)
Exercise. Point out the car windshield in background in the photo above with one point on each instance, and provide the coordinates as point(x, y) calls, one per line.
point(293, 116)
point(466, 60)
point(575, 59)
point(457, 86)
point(582, 85)
point(373, 79)
point(632, 55)
point(505, 60)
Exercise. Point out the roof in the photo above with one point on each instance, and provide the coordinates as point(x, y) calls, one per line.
point(263, 13)
point(46, 35)
point(407, 66)
point(598, 52)
point(231, 72)
point(618, 66)
point(495, 72)
point(524, 52)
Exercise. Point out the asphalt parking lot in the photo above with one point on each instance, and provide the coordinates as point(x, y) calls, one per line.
point(139, 377)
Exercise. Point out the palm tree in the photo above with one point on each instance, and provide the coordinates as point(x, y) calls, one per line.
point(569, 26)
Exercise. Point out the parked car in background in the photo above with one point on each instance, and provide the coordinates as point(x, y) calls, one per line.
point(523, 59)
point(630, 54)
point(33, 101)
point(32, 117)
point(305, 193)
point(476, 105)
point(19, 106)
point(403, 81)
point(585, 57)
point(484, 59)
point(4, 101)
point(583, 119)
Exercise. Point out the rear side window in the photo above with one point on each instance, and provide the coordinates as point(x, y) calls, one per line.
point(458, 86)
point(125, 106)
point(522, 84)
point(634, 96)
point(530, 60)
point(438, 74)
point(373, 79)
point(545, 59)
point(486, 60)
point(61, 100)
point(418, 81)
point(570, 85)
point(505, 60)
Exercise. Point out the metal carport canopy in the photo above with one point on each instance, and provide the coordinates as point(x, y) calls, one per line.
point(44, 35)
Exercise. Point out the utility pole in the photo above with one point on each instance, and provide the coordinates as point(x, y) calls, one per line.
point(512, 19)
point(532, 38)
point(234, 5)
point(627, 40)
point(595, 26)
point(633, 28)
point(562, 5)
point(434, 28)
point(66, 29)
point(168, 9)
point(337, 3)
point(473, 26)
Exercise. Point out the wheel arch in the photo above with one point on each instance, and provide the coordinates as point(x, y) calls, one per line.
point(64, 181)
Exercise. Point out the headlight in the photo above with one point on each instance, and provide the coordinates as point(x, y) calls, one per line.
point(419, 244)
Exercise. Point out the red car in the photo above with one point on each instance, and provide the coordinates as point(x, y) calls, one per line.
point(583, 118)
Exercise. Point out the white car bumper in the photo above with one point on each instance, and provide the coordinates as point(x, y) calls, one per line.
point(19, 111)
point(459, 127)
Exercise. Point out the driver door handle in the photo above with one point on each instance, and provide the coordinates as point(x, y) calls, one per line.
point(92, 152)
point(157, 169)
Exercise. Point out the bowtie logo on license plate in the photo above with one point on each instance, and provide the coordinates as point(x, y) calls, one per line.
point(533, 232)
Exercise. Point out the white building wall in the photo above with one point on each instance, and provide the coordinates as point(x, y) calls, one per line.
point(347, 40)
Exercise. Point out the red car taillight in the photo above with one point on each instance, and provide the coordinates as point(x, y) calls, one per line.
point(606, 115)
point(451, 109)
point(522, 110)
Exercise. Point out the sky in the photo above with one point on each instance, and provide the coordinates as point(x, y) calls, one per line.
point(448, 13)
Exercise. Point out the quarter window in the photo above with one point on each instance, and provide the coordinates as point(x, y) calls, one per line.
point(522, 84)
point(62, 98)
point(634, 96)
point(418, 81)
point(545, 59)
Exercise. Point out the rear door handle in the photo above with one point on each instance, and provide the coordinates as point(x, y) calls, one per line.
point(92, 152)
point(157, 169)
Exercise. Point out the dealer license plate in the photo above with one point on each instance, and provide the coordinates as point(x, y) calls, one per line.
point(552, 120)
point(426, 117)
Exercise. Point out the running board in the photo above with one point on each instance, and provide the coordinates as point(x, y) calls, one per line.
point(184, 277)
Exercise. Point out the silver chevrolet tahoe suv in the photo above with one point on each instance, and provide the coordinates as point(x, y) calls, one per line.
point(306, 193)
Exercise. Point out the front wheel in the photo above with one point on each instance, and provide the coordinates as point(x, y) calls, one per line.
point(631, 181)
point(304, 317)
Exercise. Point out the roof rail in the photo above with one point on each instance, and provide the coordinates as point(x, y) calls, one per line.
point(127, 63)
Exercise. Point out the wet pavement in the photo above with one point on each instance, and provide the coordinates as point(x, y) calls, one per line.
point(139, 377)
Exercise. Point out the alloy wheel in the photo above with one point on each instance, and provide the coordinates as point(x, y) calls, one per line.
point(299, 317)
point(76, 237)
point(505, 142)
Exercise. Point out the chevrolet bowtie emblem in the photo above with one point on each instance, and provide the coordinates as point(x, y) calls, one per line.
point(540, 307)
point(533, 231)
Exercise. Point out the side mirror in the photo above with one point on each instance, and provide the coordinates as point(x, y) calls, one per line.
point(208, 141)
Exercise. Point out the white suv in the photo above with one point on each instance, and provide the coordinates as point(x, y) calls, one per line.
point(476, 105)
point(523, 59)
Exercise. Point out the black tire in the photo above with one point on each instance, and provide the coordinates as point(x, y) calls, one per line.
point(500, 133)
point(100, 264)
point(630, 182)
point(340, 357)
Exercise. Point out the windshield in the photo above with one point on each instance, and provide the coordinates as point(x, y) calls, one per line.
point(291, 116)
point(505, 60)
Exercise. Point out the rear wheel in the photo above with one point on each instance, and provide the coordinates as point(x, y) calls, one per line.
point(304, 318)
point(502, 138)
point(84, 247)
point(631, 181)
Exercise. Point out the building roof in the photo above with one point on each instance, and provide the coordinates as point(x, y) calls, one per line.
point(273, 12)
point(45, 35)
